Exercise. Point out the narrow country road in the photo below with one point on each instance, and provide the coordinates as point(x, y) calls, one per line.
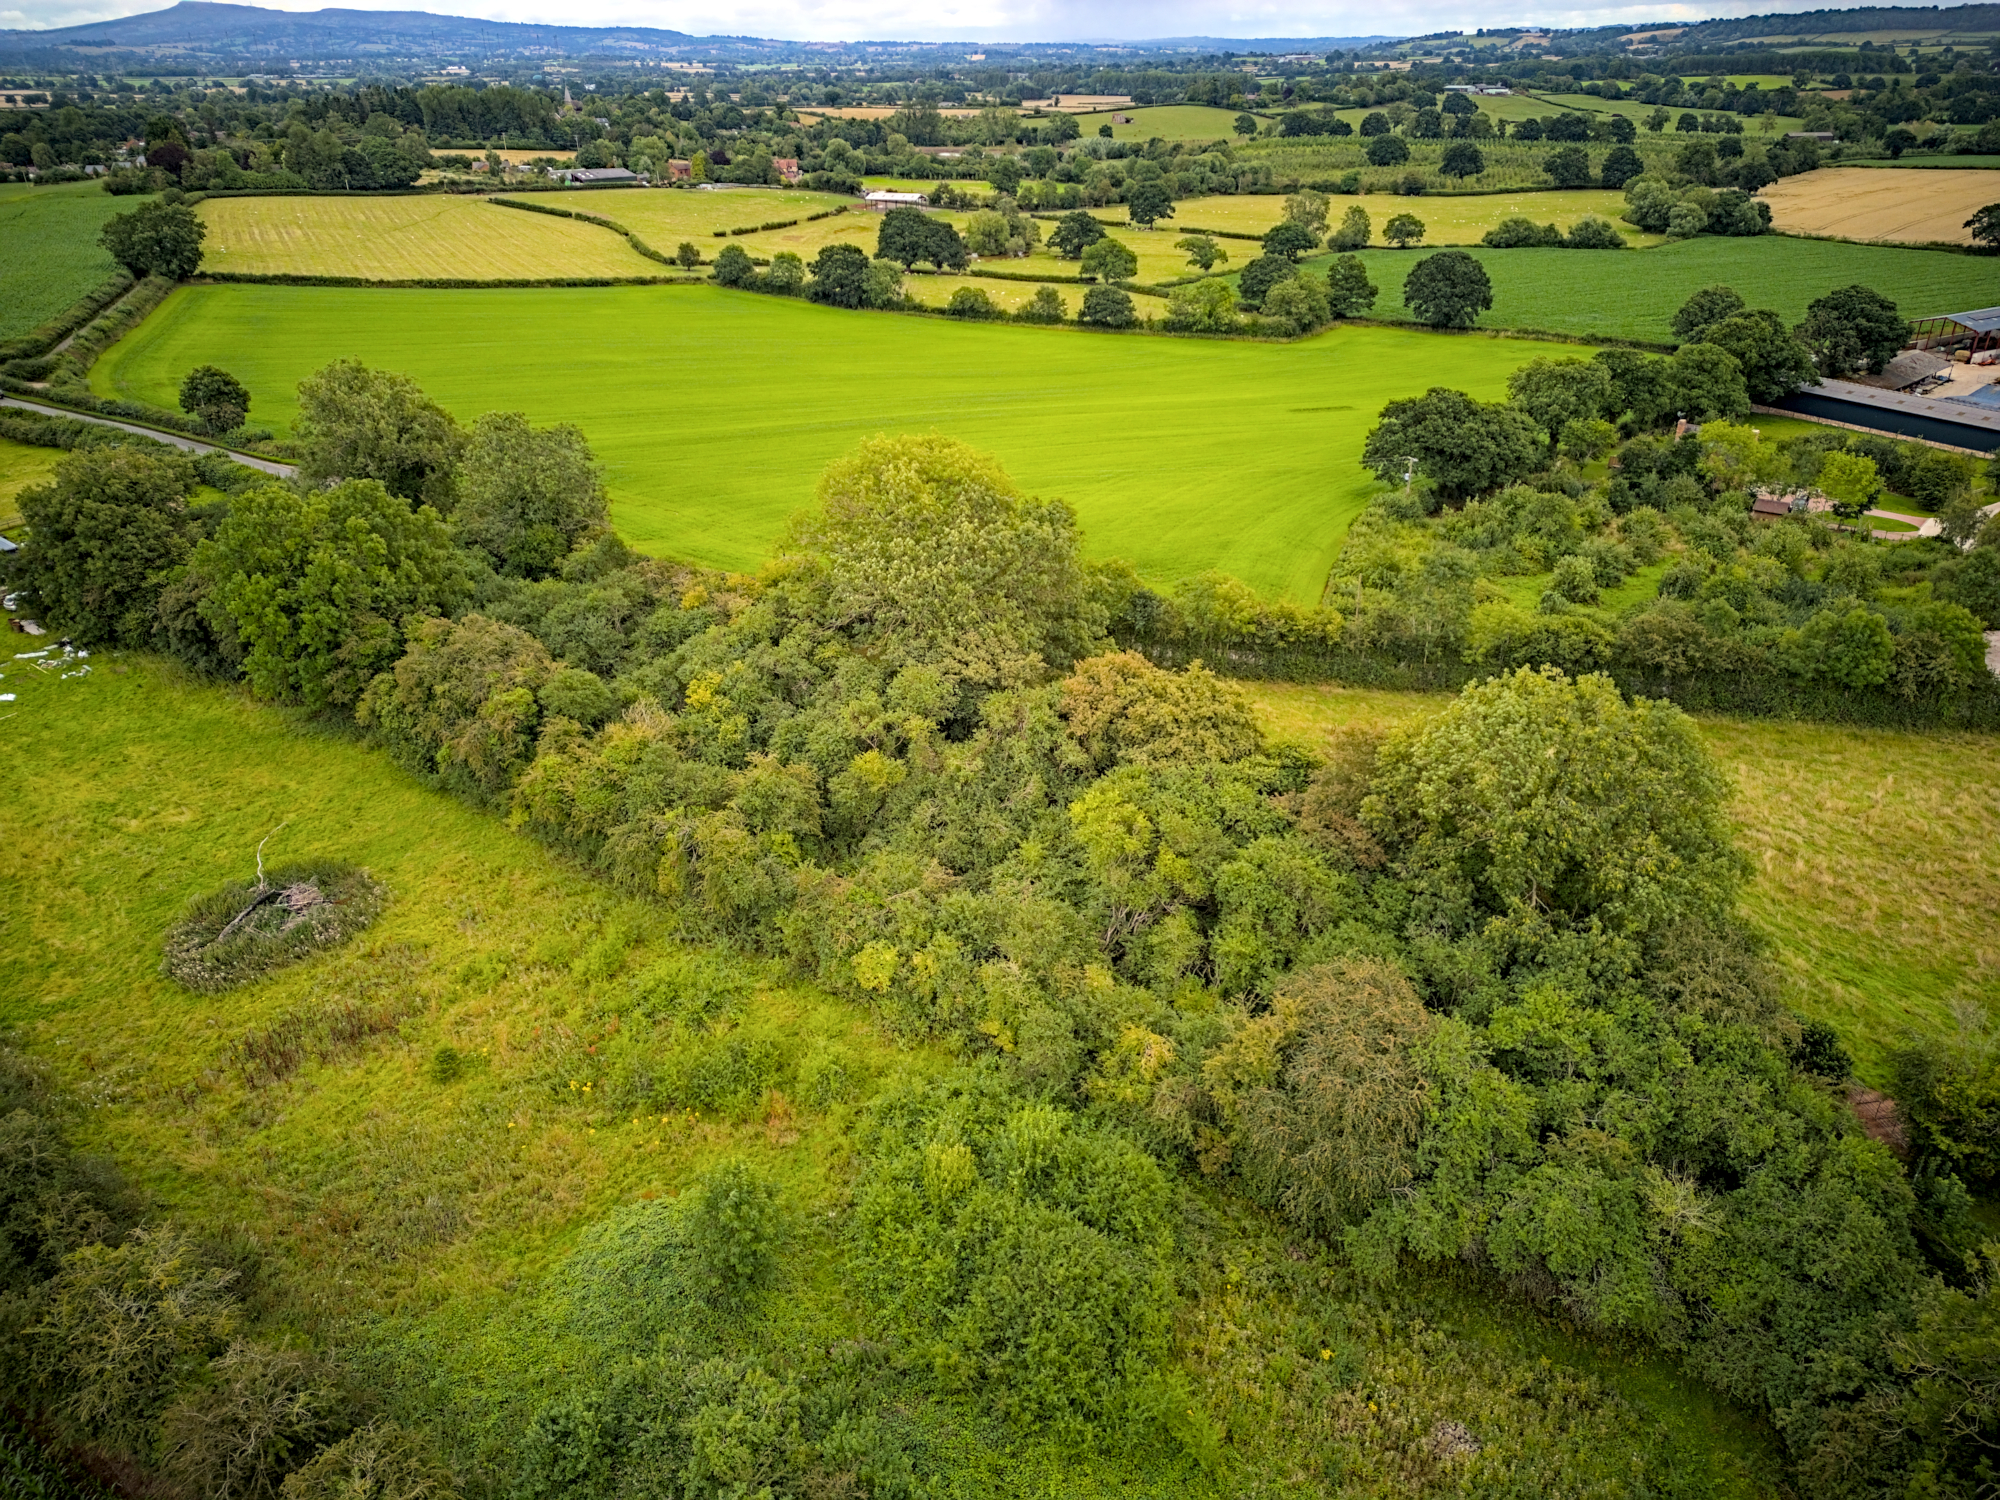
point(192, 445)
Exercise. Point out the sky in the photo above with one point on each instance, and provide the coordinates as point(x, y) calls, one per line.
point(998, 20)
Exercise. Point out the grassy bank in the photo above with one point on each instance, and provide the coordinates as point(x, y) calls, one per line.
point(715, 412)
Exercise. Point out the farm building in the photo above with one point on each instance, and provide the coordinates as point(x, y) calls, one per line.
point(596, 177)
point(1847, 403)
point(882, 201)
point(1973, 332)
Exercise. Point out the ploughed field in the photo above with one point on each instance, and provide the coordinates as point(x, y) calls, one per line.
point(714, 412)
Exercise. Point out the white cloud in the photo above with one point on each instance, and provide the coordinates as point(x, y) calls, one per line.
point(999, 20)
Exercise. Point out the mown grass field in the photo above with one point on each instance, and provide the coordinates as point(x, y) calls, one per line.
point(1914, 205)
point(1168, 122)
point(1877, 857)
point(413, 1225)
point(399, 239)
point(1634, 294)
point(49, 254)
point(715, 411)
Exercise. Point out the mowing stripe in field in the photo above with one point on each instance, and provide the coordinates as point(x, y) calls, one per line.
point(715, 411)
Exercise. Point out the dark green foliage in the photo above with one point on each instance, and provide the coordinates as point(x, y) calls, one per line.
point(233, 935)
point(1107, 307)
point(1387, 150)
point(1853, 329)
point(1820, 1053)
point(1288, 241)
point(1349, 291)
point(1568, 167)
point(1774, 363)
point(260, 1415)
point(1621, 165)
point(1260, 275)
point(733, 1229)
point(1462, 446)
point(525, 497)
point(215, 396)
point(1461, 159)
point(733, 266)
point(1948, 1090)
point(358, 423)
point(1519, 233)
point(156, 239)
point(1147, 203)
point(447, 1065)
point(106, 533)
point(1593, 233)
point(840, 276)
point(52, 1198)
point(1075, 233)
point(1710, 305)
point(909, 235)
point(1448, 290)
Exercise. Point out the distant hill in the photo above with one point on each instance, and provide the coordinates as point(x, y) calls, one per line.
point(1976, 19)
point(208, 29)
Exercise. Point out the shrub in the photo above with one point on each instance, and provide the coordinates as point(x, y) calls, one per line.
point(260, 1416)
point(1325, 1098)
point(1046, 306)
point(973, 303)
point(1107, 307)
point(123, 1328)
point(249, 928)
point(733, 1230)
point(1593, 233)
point(1518, 233)
point(378, 1462)
point(1027, 1249)
point(733, 266)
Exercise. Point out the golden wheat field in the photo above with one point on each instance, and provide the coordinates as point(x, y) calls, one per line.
point(1910, 204)
point(405, 239)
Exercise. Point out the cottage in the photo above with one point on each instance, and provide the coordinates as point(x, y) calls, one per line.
point(680, 171)
point(787, 168)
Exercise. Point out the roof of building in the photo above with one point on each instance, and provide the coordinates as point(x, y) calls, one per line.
point(1981, 320)
point(883, 195)
point(1770, 505)
point(603, 174)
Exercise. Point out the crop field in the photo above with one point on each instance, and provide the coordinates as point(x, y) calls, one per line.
point(417, 1225)
point(1168, 122)
point(397, 239)
point(714, 411)
point(49, 254)
point(1883, 204)
point(1877, 855)
point(1633, 295)
point(1448, 220)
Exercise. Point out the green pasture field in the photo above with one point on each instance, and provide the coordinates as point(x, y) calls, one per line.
point(49, 254)
point(663, 217)
point(1877, 856)
point(1765, 81)
point(1634, 294)
point(410, 1226)
point(1169, 122)
point(21, 465)
point(408, 238)
point(1763, 125)
point(715, 411)
point(1453, 220)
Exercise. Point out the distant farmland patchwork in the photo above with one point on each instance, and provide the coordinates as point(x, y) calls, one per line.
point(715, 411)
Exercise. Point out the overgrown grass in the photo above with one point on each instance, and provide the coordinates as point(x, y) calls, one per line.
point(49, 254)
point(715, 411)
point(21, 465)
point(417, 1218)
point(1877, 858)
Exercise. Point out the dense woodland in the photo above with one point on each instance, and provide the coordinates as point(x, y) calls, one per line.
point(1473, 993)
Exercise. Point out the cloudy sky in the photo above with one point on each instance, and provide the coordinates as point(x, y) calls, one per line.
point(1012, 20)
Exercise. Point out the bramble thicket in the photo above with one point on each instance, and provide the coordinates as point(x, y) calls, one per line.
point(1472, 993)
